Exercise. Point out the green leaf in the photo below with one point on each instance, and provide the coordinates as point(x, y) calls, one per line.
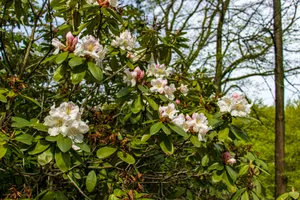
point(163, 98)
point(215, 166)
point(61, 57)
point(64, 143)
point(91, 181)
point(145, 137)
point(83, 146)
point(49, 196)
point(51, 138)
point(243, 170)
point(3, 98)
point(223, 134)
point(25, 138)
point(31, 99)
point(40, 146)
point(63, 160)
point(195, 141)
point(205, 160)
point(3, 150)
point(45, 157)
point(166, 144)
point(137, 105)
point(294, 195)
point(216, 177)
point(239, 133)
point(95, 71)
point(126, 157)
point(20, 122)
point(58, 74)
point(152, 103)
point(114, 15)
point(245, 196)
point(75, 61)
point(123, 92)
point(231, 172)
point(166, 130)
point(155, 128)
point(283, 196)
point(77, 77)
point(237, 194)
point(105, 152)
point(60, 196)
point(143, 89)
point(178, 130)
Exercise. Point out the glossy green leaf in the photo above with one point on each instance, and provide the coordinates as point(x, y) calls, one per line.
point(63, 160)
point(152, 103)
point(95, 71)
point(195, 141)
point(123, 92)
point(237, 194)
point(105, 152)
point(166, 130)
point(83, 146)
point(137, 105)
point(75, 61)
point(24, 138)
point(166, 143)
point(155, 128)
point(231, 172)
point(205, 160)
point(61, 57)
point(243, 170)
point(45, 157)
point(239, 133)
point(3, 98)
point(50, 195)
point(58, 74)
point(245, 196)
point(178, 130)
point(126, 157)
point(3, 150)
point(77, 77)
point(91, 181)
point(64, 143)
point(40, 147)
point(19, 122)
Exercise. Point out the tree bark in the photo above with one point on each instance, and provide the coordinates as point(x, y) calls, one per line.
point(219, 53)
point(280, 180)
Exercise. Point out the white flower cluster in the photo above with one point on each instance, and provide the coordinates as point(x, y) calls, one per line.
point(66, 120)
point(196, 124)
point(236, 105)
point(132, 77)
point(126, 41)
point(89, 46)
point(159, 84)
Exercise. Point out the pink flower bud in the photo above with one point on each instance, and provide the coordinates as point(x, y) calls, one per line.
point(69, 38)
point(225, 157)
point(139, 74)
point(74, 42)
point(177, 101)
point(231, 161)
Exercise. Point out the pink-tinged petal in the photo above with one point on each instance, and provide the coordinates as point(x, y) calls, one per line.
point(69, 39)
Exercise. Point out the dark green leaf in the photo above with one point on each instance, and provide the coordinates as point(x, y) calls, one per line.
point(77, 77)
point(20, 122)
point(239, 133)
point(166, 130)
point(63, 160)
point(237, 194)
point(152, 103)
point(58, 74)
point(75, 61)
point(166, 144)
point(231, 172)
point(45, 157)
point(195, 141)
point(83, 146)
point(137, 105)
point(123, 92)
point(3, 150)
point(40, 146)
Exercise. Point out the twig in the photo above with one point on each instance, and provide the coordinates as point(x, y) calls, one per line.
point(78, 188)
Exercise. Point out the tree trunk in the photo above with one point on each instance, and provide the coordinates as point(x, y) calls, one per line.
point(280, 180)
point(219, 54)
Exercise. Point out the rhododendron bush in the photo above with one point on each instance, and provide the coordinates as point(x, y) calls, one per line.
point(100, 109)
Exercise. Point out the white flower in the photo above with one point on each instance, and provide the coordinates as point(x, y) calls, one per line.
point(231, 161)
point(198, 123)
point(58, 45)
point(168, 111)
point(66, 120)
point(89, 46)
point(130, 77)
point(159, 71)
point(92, 2)
point(113, 3)
point(183, 89)
point(126, 41)
point(168, 90)
point(158, 85)
point(236, 105)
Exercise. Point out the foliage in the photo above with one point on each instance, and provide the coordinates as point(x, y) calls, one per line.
point(130, 151)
